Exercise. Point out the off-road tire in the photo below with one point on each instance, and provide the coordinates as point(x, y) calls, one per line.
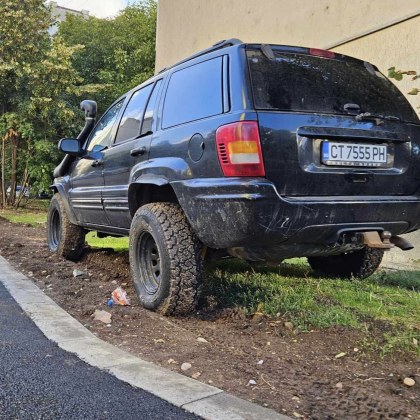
point(64, 238)
point(165, 259)
point(358, 264)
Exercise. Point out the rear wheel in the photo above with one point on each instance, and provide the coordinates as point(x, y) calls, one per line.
point(358, 264)
point(64, 238)
point(165, 259)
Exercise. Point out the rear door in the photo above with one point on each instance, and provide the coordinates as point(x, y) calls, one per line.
point(131, 146)
point(196, 103)
point(332, 126)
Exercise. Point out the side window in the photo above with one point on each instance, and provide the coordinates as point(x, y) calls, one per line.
point(151, 106)
point(133, 114)
point(193, 93)
point(101, 134)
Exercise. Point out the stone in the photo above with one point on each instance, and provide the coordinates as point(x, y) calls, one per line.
point(185, 366)
point(102, 316)
point(77, 273)
point(409, 382)
point(340, 355)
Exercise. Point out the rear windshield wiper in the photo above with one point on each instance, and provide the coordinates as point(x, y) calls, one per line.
point(369, 116)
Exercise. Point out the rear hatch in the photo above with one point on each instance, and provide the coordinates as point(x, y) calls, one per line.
point(331, 125)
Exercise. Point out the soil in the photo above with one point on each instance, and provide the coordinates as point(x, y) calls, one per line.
point(295, 373)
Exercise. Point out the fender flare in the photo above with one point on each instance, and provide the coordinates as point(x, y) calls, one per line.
point(144, 187)
point(149, 178)
point(59, 188)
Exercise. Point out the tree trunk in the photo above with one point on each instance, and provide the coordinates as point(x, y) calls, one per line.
point(3, 172)
point(24, 185)
point(13, 168)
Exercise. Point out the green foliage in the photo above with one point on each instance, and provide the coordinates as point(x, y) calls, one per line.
point(43, 79)
point(413, 91)
point(399, 75)
point(37, 83)
point(118, 53)
point(23, 36)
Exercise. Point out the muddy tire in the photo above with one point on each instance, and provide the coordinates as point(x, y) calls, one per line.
point(358, 264)
point(64, 238)
point(165, 259)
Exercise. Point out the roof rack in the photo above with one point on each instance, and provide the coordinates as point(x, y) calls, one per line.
point(217, 46)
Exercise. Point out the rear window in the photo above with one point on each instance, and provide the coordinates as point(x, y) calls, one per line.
point(194, 93)
point(298, 82)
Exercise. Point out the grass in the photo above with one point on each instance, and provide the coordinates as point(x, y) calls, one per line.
point(35, 213)
point(389, 299)
point(117, 244)
point(316, 302)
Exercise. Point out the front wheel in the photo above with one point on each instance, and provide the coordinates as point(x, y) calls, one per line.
point(165, 259)
point(64, 238)
point(358, 264)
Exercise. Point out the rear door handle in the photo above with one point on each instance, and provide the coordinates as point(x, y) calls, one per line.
point(97, 162)
point(139, 151)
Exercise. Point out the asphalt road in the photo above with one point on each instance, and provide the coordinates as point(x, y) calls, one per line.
point(38, 380)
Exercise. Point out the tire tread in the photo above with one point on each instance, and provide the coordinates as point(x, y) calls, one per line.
point(184, 254)
point(359, 264)
point(72, 236)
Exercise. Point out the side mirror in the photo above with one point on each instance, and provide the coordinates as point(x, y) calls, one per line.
point(70, 147)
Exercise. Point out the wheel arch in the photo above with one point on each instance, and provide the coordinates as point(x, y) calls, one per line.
point(150, 189)
point(60, 189)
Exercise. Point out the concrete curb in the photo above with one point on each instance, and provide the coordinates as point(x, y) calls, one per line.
point(57, 325)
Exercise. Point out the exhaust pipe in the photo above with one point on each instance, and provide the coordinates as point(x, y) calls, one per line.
point(401, 243)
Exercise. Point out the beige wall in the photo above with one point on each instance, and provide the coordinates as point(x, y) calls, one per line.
point(397, 45)
point(187, 26)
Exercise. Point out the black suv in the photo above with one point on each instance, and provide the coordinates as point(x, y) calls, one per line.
point(264, 152)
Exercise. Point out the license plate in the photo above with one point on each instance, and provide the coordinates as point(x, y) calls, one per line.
point(352, 154)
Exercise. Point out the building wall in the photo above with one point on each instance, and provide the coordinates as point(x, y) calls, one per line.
point(397, 45)
point(187, 26)
point(59, 13)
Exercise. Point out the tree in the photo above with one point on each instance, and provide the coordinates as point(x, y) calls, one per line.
point(23, 35)
point(43, 79)
point(38, 91)
point(118, 53)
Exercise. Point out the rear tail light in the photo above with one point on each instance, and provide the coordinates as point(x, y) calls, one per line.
point(321, 53)
point(239, 149)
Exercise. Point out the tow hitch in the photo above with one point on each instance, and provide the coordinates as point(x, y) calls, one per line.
point(385, 241)
point(373, 240)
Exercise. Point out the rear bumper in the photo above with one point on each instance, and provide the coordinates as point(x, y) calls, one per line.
point(244, 212)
